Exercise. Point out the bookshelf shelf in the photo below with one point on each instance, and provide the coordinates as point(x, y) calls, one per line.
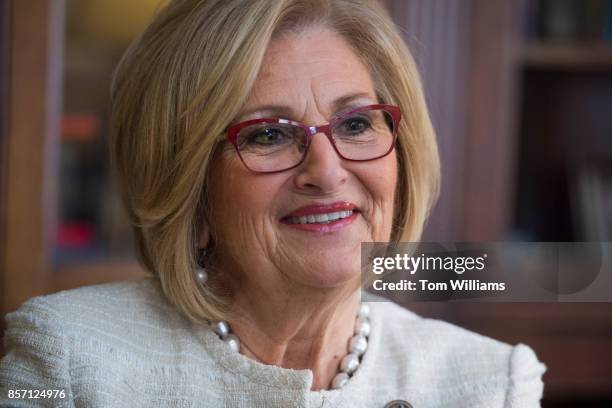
point(90, 273)
point(567, 56)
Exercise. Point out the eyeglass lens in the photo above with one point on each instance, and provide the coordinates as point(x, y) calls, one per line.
point(364, 135)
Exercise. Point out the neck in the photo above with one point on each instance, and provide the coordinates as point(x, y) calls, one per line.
point(296, 328)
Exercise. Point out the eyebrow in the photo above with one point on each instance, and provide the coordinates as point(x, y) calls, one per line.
point(339, 104)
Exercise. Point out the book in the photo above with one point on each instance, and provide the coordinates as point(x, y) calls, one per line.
point(608, 24)
point(559, 20)
point(569, 21)
point(592, 202)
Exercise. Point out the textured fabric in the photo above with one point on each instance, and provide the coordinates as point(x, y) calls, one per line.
point(124, 345)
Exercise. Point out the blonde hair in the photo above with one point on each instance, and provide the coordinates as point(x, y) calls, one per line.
point(183, 81)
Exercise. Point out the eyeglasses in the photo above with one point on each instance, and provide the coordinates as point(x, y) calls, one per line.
point(273, 145)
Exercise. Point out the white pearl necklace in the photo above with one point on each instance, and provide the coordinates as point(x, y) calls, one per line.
point(357, 345)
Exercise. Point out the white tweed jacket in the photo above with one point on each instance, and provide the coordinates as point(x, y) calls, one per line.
point(124, 345)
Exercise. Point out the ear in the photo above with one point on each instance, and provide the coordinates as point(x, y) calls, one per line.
point(203, 235)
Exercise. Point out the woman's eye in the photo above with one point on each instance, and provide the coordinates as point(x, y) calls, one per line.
point(355, 126)
point(266, 137)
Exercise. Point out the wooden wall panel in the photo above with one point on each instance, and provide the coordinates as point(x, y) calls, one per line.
point(32, 146)
point(34, 80)
point(4, 78)
point(491, 119)
point(436, 32)
point(466, 50)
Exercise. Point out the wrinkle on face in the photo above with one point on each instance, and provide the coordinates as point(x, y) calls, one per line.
point(305, 72)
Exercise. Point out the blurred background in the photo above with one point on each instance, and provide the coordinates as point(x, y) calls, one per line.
point(520, 93)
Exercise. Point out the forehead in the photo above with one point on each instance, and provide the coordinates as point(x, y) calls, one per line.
point(314, 66)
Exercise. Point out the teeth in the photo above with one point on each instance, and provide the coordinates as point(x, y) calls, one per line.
point(334, 216)
point(320, 218)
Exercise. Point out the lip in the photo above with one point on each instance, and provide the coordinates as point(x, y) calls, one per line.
point(322, 209)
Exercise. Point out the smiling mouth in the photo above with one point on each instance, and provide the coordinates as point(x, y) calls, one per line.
point(324, 218)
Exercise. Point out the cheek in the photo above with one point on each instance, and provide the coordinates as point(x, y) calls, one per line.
point(380, 182)
point(239, 197)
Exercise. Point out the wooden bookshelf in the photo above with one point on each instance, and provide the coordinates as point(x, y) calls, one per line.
point(92, 273)
point(563, 123)
point(32, 72)
point(567, 56)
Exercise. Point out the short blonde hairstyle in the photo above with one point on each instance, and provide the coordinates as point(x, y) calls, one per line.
point(183, 81)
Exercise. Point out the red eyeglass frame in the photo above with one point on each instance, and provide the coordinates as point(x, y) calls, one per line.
point(311, 131)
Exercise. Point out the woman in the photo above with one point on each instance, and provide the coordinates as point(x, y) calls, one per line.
point(257, 144)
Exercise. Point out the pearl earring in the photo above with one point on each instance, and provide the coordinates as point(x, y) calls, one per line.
point(201, 275)
point(200, 272)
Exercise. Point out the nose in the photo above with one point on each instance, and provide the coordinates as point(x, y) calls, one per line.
point(323, 170)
